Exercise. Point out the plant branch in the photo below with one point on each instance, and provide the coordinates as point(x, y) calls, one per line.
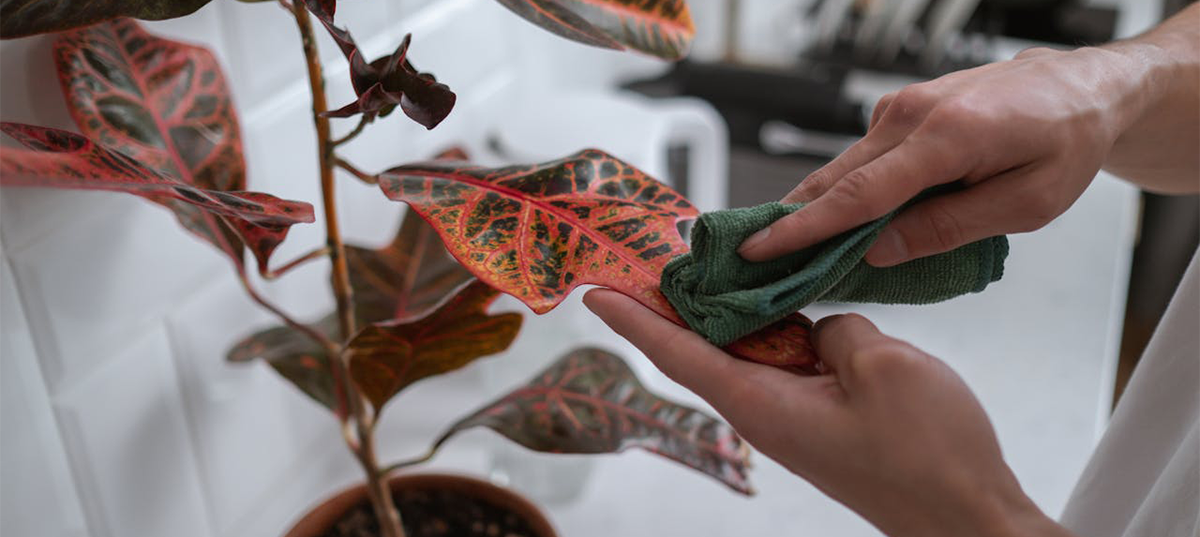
point(362, 124)
point(316, 253)
point(363, 446)
point(361, 175)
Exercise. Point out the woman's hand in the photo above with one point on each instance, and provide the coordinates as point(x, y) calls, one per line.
point(1025, 136)
point(893, 433)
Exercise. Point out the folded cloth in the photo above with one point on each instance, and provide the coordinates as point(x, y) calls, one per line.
point(724, 297)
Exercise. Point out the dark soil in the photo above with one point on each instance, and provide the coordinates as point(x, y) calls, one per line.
point(436, 513)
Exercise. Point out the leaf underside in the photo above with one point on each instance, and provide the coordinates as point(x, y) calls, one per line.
point(539, 231)
point(660, 28)
point(589, 401)
point(19, 18)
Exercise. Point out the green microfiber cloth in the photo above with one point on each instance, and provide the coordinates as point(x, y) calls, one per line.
point(724, 297)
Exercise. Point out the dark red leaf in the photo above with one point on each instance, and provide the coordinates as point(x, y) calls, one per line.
point(661, 28)
point(389, 81)
point(158, 115)
point(297, 357)
point(591, 402)
point(387, 357)
point(538, 232)
point(405, 278)
point(19, 18)
point(322, 9)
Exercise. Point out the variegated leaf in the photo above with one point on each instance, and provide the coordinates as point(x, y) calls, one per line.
point(589, 401)
point(164, 105)
point(387, 357)
point(62, 159)
point(661, 28)
point(537, 232)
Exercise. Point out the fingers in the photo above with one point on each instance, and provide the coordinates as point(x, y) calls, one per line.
point(679, 353)
point(818, 182)
point(838, 338)
point(880, 109)
point(860, 196)
point(1007, 203)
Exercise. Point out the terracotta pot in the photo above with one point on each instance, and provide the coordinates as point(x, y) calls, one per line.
point(323, 517)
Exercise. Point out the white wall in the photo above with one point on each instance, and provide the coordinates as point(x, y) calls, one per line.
point(120, 416)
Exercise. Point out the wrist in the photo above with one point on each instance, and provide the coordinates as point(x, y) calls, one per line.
point(1016, 517)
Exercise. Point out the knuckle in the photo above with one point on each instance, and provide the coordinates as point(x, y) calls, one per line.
point(953, 116)
point(855, 190)
point(1033, 52)
point(1038, 209)
point(944, 227)
point(910, 103)
point(888, 359)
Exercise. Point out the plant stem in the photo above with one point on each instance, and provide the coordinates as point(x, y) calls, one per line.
point(362, 123)
point(361, 175)
point(307, 330)
point(364, 448)
point(316, 253)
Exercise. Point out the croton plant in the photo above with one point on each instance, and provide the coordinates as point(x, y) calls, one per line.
point(156, 120)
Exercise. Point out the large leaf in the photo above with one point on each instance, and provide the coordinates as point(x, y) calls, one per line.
point(537, 232)
point(661, 28)
point(20, 18)
point(165, 106)
point(589, 401)
point(391, 81)
point(64, 159)
point(387, 357)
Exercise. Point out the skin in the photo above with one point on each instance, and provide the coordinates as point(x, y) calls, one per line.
point(892, 432)
point(1026, 137)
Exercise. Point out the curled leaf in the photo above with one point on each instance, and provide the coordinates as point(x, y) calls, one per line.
point(391, 81)
point(589, 401)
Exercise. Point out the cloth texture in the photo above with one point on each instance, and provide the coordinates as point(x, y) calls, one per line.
point(1143, 480)
point(724, 297)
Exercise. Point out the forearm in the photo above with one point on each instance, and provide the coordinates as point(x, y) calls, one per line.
point(1157, 147)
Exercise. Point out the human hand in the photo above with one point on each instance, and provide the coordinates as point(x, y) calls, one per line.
point(892, 433)
point(1025, 136)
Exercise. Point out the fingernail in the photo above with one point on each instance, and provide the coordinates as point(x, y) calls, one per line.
point(889, 249)
point(754, 240)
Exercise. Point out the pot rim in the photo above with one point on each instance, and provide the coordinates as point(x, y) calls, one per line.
point(318, 519)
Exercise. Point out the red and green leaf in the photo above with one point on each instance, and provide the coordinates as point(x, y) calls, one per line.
point(589, 401)
point(19, 18)
point(660, 28)
point(158, 121)
point(387, 357)
point(537, 232)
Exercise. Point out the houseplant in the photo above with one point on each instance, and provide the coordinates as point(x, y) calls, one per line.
point(157, 121)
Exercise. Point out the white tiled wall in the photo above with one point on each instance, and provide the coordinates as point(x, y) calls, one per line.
point(120, 416)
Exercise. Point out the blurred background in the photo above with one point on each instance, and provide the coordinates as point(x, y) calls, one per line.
point(121, 418)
